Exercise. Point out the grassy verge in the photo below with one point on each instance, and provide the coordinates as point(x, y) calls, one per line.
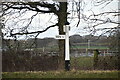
point(62, 74)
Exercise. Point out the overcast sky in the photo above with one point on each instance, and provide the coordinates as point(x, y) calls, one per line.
point(41, 21)
point(79, 30)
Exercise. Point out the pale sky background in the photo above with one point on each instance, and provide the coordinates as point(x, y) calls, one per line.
point(42, 20)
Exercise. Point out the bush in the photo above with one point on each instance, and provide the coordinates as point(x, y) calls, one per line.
point(26, 62)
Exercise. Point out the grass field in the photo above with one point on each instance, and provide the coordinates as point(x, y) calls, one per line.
point(92, 47)
point(82, 63)
point(62, 74)
point(55, 48)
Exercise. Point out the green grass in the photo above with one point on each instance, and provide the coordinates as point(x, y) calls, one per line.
point(86, 63)
point(62, 74)
point(92, 47)
point(82, 62)
point(55, 48)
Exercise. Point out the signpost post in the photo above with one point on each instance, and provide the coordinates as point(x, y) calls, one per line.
point(67, 53)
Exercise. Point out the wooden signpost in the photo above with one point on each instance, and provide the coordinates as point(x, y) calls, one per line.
point(67, 53)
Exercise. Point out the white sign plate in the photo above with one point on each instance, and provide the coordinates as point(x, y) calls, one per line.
point(60, 36)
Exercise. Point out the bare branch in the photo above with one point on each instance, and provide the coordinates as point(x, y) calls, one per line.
point(31, 19)
point(108, 20)
point(32, 6)
point(12, 34)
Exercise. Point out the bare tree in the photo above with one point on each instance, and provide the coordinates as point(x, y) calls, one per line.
point(57, 8)
point(108, 18)
point(96, 20)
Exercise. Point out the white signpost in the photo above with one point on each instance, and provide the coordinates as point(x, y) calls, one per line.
point(67, 53)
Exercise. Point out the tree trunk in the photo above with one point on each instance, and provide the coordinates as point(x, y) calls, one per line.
point(62, 19)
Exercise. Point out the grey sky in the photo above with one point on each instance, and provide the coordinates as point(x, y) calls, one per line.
point(41, 21)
